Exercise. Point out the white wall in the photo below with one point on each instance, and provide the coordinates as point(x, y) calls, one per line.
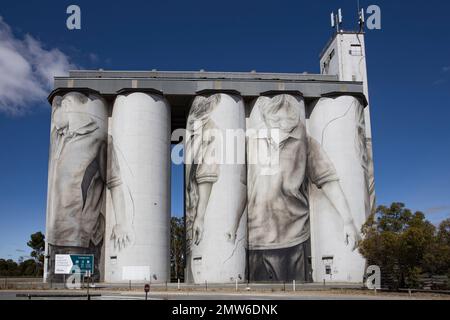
point(349, 63)
point(215, 259)
point(338, 125)
point(140, 127)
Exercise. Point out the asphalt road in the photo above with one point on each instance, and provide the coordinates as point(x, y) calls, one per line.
point(12, 295)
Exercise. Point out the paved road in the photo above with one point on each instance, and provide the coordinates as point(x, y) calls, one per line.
point(11, 295)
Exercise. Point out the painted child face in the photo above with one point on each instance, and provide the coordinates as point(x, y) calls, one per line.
point(281, 113)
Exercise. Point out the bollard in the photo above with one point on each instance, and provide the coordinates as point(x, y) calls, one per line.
point(146, 290)
point(206, 285)
point(324, 282)
point(293, 285)
point(409, 292)
point(237, 285)
point(166, 286)
point(178, 286)
point(88, 295)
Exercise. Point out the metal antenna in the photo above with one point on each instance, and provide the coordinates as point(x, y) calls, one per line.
point(336, 20)
point(361, 18)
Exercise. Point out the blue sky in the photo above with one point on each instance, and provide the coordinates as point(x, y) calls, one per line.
point(408, 65)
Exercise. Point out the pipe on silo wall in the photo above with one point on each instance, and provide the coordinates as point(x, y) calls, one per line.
point(338, 125)
point(216, 190)
point(76, 180)
point(138, 220)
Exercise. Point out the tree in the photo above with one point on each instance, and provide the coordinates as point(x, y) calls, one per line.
point(9, 268)
point(438, 258)
point(444, 232)
point(177, 243)
point(30, 268)
point(37, 243)
point(405, 245)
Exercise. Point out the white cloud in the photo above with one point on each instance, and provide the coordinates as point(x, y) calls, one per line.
point(93, 58)
point(445, 69)
point(27, 69)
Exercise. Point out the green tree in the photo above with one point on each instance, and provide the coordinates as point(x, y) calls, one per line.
point(438, 258)
point(26, 267)
point(177, 243)
point(444, 232)
point(30, 268)
point(9, 268)
point(37, 243)
point(405, 245)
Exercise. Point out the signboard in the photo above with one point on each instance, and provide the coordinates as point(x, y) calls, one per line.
point(74, 263)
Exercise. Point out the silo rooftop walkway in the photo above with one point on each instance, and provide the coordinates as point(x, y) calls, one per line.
point(246, 84)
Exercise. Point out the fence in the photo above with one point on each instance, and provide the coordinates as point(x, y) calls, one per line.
point(425, 282)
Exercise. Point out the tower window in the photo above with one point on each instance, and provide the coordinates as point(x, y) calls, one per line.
point(327, 269)
point(355, 50)
point(331, 55)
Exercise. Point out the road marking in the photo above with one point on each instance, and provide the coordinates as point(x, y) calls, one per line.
point(121, 297)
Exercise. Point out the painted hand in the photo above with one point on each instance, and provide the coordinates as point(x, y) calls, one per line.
point(122, 236)
point(231, 236)
point(351, 235)
point(197, 231)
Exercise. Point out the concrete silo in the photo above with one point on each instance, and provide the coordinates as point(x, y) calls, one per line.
point(138, 231)
point(278, 213)
point(216, 189)
point(337, 123)
point(76, 178)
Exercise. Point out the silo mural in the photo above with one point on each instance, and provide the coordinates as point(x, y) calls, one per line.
point(215, 190)
point(337, 124)
point(278, 196)
point(78, 174)
point(274, 190)
point(137, 240)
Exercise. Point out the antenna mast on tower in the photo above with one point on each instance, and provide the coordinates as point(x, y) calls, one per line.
point(361, 18)
point(336, 20)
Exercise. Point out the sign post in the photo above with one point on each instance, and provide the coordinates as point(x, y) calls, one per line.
point(88, 276)
point(74, 263)
point(146, 289)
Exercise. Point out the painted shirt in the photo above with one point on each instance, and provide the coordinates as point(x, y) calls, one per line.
point(278, 208)
point(79, 170)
